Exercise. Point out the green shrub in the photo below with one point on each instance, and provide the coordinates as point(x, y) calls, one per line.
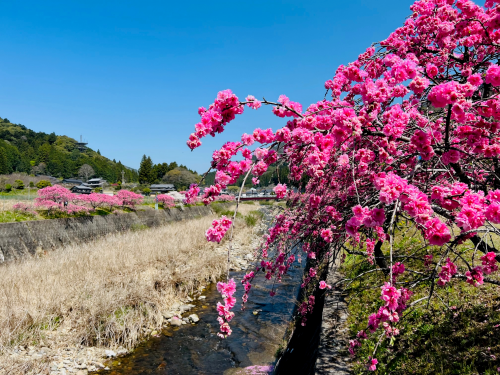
point(251, 220)
point(42, 183)
point(247, 202)
point(19, 184)
point(230, 213)
point(217, 208)
point(32, 184)
point(253, 217)
point(8, 187)
point(146, 191)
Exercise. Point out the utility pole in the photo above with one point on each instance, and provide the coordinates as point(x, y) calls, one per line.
point(123, 177)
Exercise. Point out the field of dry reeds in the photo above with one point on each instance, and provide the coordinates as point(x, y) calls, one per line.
point(105, 293)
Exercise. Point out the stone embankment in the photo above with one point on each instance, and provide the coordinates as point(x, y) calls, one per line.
point(29, 238)
point(332, 357)
point(320, 347)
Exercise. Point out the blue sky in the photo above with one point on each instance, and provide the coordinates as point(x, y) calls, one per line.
point(130, 75)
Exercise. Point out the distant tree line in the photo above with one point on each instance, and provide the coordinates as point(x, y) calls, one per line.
point(24, 150)
point(170, 173)
point(272, 176)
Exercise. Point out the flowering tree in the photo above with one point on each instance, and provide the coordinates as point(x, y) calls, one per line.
point(410, 133)
point(129, 198)
point(166, 200)
point(24, 208)
point(58, 198)
point(54, 198)
point(95, 200)
point(224, 198)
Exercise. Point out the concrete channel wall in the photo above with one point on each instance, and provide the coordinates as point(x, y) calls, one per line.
point(24, 239)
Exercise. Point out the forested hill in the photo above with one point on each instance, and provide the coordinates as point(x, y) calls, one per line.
point(24, 150)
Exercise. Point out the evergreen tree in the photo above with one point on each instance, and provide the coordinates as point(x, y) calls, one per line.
point(52, 138)
point(146, 170)
point(4, 164)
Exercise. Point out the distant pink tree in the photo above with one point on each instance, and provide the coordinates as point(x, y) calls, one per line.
point(56, 193)
point(129, 198)
point(112, 201)
point(224, 198)
point(74, 209)
point(24, 208)
point(95, 200)
point(52, 198)
point(166, 200)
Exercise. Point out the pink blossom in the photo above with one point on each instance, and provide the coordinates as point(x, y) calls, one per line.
point(280, 190)
point(253, 103)
point(324, 285)
point(475, 276)
point(247, 139)
point(218, 229)
point(419, 84)
point(442, 95)
point(489, 263)
point(327, 235)
point(432, 70)
point(397, 269)
point(436, 232)
point(352, 346)
point(493, 75)
point(390, 295)
point(372, 364)
point(447, 272)
point(129, 198)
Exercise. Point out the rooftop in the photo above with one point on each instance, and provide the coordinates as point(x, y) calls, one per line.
point(82, 187)
point(159, 186)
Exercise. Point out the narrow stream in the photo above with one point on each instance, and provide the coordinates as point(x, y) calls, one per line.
point(196, 349)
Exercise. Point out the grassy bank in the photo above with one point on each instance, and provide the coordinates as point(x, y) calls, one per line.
point(106, 293)
point(456, 333)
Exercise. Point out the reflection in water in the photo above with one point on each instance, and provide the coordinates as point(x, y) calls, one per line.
point(196, 349)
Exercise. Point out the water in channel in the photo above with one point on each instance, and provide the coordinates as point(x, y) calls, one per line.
point(196, 349)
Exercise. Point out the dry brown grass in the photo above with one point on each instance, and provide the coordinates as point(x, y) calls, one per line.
point(106, 292)
point(8, 204)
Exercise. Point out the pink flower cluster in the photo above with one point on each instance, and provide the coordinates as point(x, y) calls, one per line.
point(166, 200)
point(24, 208)
point(475, 276)
point(394, 303)
point(397, 269)
point(366, 217)
point(489, 263)
point(471, 215)
point(280, 190)
point(447, 272)
point(252, 102)
point(324, 285)
point(223, 110)
point(218, 229)
point(129, 198)
point(192, 194)
point(225, 314)
point(327, 235)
